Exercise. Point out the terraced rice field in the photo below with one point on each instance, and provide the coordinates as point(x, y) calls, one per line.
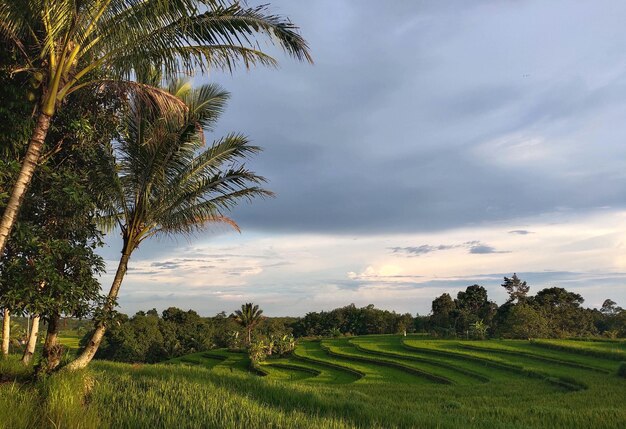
point(418, 382)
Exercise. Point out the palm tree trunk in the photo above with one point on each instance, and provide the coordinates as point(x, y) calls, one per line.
point(96, 338)
point(32, 341)
point(29, 164)
point(6, 332)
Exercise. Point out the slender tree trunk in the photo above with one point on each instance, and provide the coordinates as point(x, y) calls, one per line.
point(52, 350)
point(6, 332)
point(29, 164)
point(249, 335)
point(52, 335)
point(96, 338)
point(33, 336)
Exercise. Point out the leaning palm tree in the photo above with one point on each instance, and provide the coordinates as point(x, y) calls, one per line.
point(248, 317)
point(68, 45)
point(161, 182)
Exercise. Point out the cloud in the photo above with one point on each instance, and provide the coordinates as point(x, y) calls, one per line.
point(421, 250)
point(481, 249)
point(473, 247)
point(520, 232)
point(168, 265)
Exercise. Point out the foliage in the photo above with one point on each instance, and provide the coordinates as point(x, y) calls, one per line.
point(354, 321)
point(146, 337)
point(621, 370)
point(552, 313)
point(478, 330)
point(516, 288)
point(50, 266)
point(523, 321)
point(257, 351)
point(249, 316)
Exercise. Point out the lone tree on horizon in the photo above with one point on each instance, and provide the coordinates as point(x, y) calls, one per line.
point(248, 317)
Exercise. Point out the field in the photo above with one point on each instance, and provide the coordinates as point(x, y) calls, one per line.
point(370, 381)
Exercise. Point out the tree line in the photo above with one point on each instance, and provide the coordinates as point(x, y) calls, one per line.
point(552, 312)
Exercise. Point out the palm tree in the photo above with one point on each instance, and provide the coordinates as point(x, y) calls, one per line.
point(249, 316)
point(163, 183)
point(67, 45)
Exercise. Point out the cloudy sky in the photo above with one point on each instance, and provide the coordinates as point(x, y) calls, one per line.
point(433, 145)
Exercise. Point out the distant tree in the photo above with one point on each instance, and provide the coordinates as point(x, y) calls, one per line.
point(249, 316)
point(610, 308)
point(524, 321)
point(516, 288)
point(609, 319)
point(473, 305)
point(442, 312)
point(564, 312)
point(147, 337)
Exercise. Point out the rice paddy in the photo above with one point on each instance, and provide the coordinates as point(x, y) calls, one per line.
point(354, 382)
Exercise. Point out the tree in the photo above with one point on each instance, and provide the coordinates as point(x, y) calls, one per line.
point(50, 267)
point(516, 288)
point(442, 312)
point(67, 45)
point(610, 308)
point(160, 181)
point(564, 313)
point(473, 305)
point(248, 317)
point(523, 321)
point(6, 332)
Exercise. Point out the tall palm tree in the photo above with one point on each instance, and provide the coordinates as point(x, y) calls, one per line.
point(67, 45)
point(163, 183)
point(249, 316)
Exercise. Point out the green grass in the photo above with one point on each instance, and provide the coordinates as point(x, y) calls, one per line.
point(360, 382)
point(612, 350)
point(70, 340)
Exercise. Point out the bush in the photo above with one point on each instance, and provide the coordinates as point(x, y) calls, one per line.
point(257, 351)
point(621, 371)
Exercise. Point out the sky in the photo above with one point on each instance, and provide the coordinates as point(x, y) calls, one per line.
point(432, 145)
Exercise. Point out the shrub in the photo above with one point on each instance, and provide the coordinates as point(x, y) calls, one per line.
point(621, 371)
point(257, 351)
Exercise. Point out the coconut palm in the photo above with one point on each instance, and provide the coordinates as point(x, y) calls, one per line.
point(68, 45)
point(162, 182)
point(248, 317)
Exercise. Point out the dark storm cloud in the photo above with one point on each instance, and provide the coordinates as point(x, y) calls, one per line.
point(450, 115)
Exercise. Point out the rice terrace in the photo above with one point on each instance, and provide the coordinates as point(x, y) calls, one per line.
point(312, 214)
point(367, 381)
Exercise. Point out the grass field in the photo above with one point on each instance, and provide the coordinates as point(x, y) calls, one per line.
point(370, 381)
